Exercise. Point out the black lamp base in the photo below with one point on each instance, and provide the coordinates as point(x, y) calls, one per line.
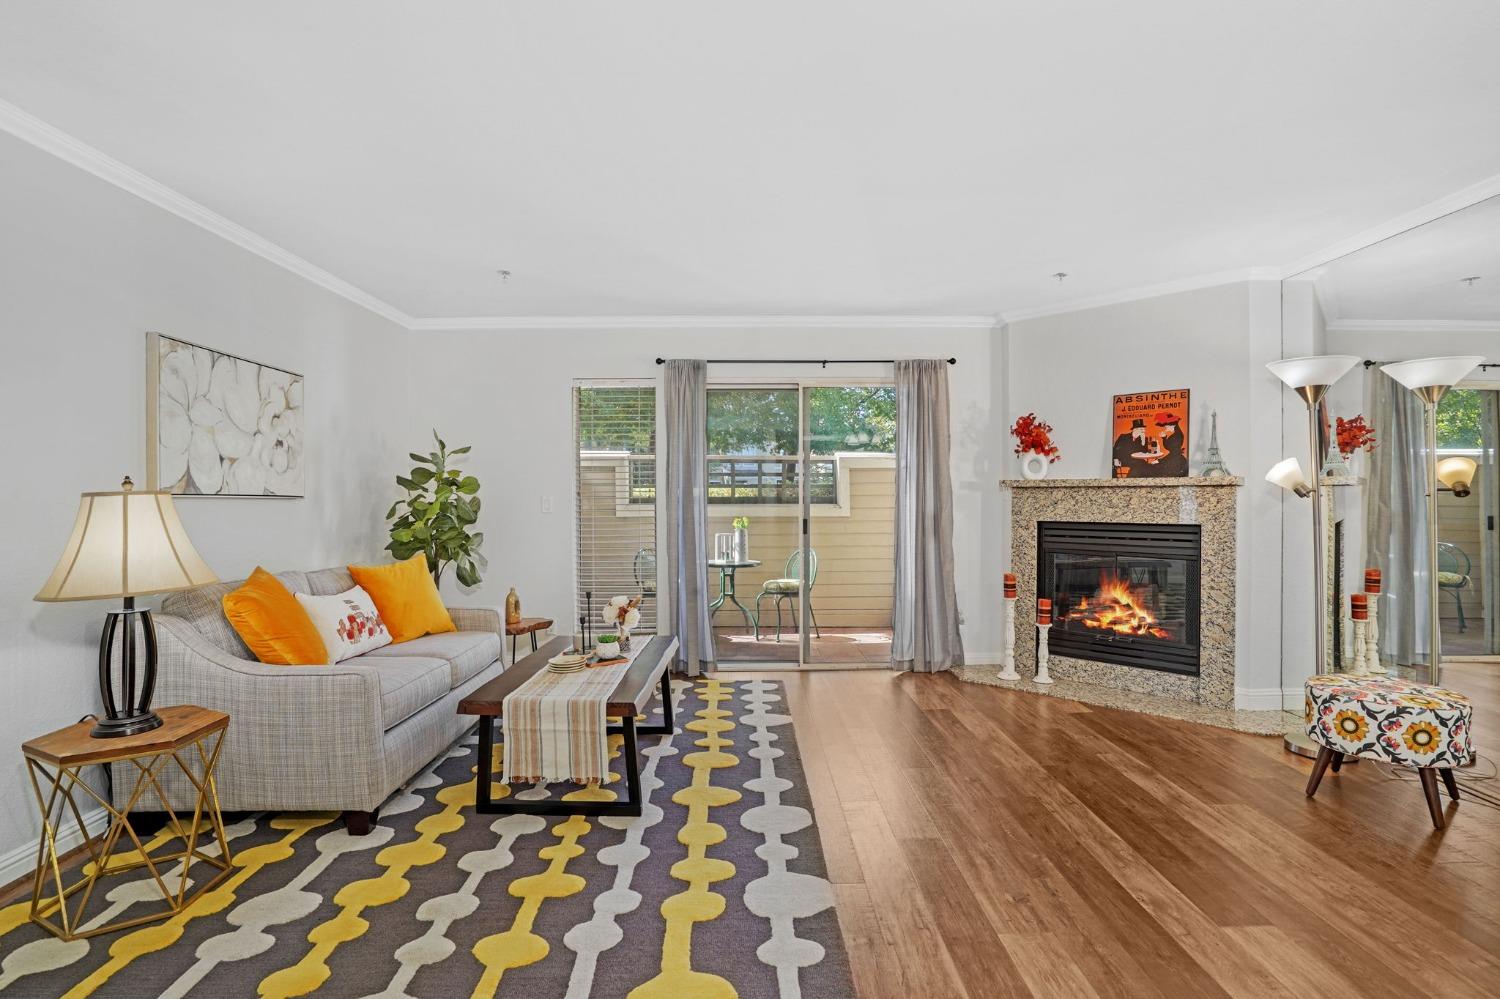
point(114, 728)
point(127, 710)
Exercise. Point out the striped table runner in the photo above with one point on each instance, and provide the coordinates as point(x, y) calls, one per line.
point(554, 726)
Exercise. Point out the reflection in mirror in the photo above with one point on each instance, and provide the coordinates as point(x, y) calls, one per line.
point(1432, 291)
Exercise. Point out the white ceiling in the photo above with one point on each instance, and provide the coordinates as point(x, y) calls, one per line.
point(775, 158)
point(1419, 275)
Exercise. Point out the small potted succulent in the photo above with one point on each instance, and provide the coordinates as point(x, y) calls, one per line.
point(608, 647)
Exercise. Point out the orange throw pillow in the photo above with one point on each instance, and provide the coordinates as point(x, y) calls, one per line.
point(406, 597)
point(273, 624)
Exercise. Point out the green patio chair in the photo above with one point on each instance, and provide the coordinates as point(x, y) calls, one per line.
point(1454, 576)
point(790, 588)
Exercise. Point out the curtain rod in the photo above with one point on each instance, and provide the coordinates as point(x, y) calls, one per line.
point(1486, 364)
point(802, 360)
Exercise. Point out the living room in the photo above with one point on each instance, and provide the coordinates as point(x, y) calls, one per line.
point(829, 469)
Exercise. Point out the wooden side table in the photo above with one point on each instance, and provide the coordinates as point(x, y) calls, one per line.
point(188, 736)
point(525, 626)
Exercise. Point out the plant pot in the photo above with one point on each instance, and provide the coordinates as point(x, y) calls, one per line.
point(1034, 466)
point(741, 544)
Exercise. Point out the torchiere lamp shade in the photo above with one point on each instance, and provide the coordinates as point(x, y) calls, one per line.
point(125, 544)
point(1300, 372)
point(1431, 372)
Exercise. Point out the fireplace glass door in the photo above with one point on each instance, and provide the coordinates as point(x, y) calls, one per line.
point(1121, 595)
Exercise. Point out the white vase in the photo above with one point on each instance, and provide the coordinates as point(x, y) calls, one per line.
point(1034, 466)
point(741, 544)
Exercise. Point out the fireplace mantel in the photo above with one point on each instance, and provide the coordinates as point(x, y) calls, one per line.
point(1212, 503)
point(1189, 482)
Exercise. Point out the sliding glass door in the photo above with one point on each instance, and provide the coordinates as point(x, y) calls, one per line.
point(801, 523)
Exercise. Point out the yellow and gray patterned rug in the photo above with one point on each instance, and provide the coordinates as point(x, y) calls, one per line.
point(718, 889)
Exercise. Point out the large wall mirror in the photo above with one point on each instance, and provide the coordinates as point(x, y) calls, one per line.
point(1433, 290)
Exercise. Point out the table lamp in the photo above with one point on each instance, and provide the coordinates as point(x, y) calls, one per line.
point(1429, 379)
point(1311, 378)
point(126, 544)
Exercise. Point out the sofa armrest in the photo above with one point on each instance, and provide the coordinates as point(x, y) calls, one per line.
point(478, 619)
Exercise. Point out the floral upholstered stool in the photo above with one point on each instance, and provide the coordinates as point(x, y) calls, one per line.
point(1394, 721)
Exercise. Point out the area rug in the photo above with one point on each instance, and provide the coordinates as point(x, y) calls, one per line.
point(718, 889)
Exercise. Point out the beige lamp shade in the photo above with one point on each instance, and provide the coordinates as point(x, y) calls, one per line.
point(1457, 473)
point(125, 544)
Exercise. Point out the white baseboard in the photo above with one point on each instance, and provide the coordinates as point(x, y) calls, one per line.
point(20, 862)
point(1265, 698)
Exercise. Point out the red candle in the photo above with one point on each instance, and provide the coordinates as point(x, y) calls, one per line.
point(1372, 580)
point(1359, 607)
point(1010, 586)
point(1043, 610)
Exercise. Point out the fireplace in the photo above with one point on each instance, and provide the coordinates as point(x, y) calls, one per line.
point(1123, 593)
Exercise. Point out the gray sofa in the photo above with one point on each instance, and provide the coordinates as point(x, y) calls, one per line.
point(326, 738)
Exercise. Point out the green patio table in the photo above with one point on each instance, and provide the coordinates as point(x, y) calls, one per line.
point(727, 568)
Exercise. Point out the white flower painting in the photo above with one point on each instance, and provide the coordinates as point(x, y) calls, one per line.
point(220, 425)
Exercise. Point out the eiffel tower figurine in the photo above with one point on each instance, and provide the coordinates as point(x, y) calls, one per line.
point(1214, 467)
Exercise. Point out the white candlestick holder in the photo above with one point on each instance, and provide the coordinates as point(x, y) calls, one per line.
point(1041, 654)
point(1358, 628)
point(1008, 670)
point(1372, 639)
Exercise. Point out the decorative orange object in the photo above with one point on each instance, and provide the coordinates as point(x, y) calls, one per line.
point(1034, 437)
point(1372, 580)
point(1010, 586)
point(1043, 611)
point(406, 598)
point(1359, 607)
point(272, 624)
point(1353, 435)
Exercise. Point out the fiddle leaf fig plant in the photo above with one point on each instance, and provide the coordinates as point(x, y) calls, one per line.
point(438, 515)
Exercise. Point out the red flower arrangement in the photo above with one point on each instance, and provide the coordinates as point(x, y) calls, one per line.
point(1034, 437)
point(1352, 435)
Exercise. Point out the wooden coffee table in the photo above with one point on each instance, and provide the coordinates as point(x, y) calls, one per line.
point(647, 672)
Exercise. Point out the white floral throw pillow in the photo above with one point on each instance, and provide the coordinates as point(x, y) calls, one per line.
point(348, 622)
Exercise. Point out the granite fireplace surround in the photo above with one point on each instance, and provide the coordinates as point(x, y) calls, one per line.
point(1210, 503)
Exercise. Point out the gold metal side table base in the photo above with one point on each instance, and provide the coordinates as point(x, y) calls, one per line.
point(190, 740)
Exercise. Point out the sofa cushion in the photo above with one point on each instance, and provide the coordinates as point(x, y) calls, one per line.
point(203, 608)
point(407, 683)
point(327, 582)
point(466, 652)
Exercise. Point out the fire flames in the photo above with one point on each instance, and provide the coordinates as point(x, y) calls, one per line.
point(1116, 607)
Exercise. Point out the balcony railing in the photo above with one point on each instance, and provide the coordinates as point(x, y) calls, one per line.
point(745, 479)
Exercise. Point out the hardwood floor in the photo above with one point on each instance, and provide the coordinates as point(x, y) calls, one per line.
point(987, 842)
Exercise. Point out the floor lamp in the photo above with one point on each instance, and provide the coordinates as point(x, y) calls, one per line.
point(1311, 378)
point(1429, 379)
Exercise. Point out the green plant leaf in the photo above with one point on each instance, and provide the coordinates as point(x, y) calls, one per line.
point(469, 485)
point(461, 450)
point(419, 458)
point(422, 476)
point(392, 511)
point(406, 483)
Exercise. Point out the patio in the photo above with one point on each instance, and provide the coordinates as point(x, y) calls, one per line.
point(839, 645)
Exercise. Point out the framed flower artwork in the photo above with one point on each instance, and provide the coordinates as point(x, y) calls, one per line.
point(221, 425)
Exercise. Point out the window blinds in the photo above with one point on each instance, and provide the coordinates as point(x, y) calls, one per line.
point(615, 445)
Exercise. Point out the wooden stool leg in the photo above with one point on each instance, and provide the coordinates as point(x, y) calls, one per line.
point(1430, 789)
point(1325, 757)
point(1448, 781)
point(1338, 761)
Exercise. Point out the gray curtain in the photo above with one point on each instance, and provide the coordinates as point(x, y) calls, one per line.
point(1396, 521)
point(924, 623)
point(1489, 497)
point(685, 448)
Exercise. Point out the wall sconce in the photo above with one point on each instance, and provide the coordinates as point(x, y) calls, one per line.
point(1457, 473)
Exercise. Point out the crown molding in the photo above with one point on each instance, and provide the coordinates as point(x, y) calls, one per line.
point(1431, 212)
point(1141, 292)
point(705, 322)
point(1415, 326)
point(29, 128)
